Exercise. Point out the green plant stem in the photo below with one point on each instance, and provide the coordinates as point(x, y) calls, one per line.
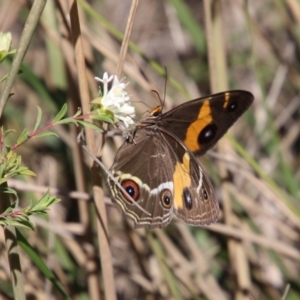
point(30, 25)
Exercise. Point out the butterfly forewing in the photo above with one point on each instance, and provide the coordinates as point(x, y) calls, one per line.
point(200, 123)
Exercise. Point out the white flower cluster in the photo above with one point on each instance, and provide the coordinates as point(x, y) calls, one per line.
point(117, 100)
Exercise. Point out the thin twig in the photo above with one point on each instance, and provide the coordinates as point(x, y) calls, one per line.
point(276, 245)
point(30, 25)
point(126, 39)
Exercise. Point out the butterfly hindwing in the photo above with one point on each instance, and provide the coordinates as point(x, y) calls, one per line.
point(161, 176)
point(194, 198)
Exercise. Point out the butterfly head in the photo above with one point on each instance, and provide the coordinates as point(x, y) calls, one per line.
point(156, 111)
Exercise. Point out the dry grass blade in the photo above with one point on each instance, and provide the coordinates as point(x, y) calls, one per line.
point(126, 39)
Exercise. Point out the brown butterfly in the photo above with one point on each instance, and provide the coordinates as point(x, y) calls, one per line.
point(157, 166)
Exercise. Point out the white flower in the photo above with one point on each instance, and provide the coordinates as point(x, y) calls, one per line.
point(116, 99)
point(5, 41)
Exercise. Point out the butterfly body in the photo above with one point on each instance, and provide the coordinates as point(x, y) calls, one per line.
point(157, 164)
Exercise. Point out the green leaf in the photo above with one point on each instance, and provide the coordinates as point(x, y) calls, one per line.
point(67, 121)
point(26, 171)
point(18, 160)
point(39, 212)
point(42, 205)
point(103, 118)
point(18, 218)
point(52, 200)
point(11, 156)
point(61, 113)
point(2, 180)
point(2, 168)
point(7, 190)
point(19, 223)
point(8, 131)
point(47, 133)
point(29, 207)
point(2, 55)
point(12, 52)
point(23, 137)
point(78, 113)
point(36, 259)
point(38, 118)
point(44, 199)
point(10, 208)
point(90, 125)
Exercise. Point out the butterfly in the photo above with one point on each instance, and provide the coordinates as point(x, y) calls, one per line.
point(157, 167)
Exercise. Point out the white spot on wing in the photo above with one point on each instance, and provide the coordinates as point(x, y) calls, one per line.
point(158, 155)
point(166, 185)
point(200, 180)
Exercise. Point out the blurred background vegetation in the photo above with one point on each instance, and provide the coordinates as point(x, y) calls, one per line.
point(253, 250)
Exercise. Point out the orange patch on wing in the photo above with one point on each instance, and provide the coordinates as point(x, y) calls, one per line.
point(227, 98)
point(193, 131)
point(181, 179)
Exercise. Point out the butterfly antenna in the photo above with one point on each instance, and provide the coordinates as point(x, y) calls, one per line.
point(162, 102)
point(158, 96)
